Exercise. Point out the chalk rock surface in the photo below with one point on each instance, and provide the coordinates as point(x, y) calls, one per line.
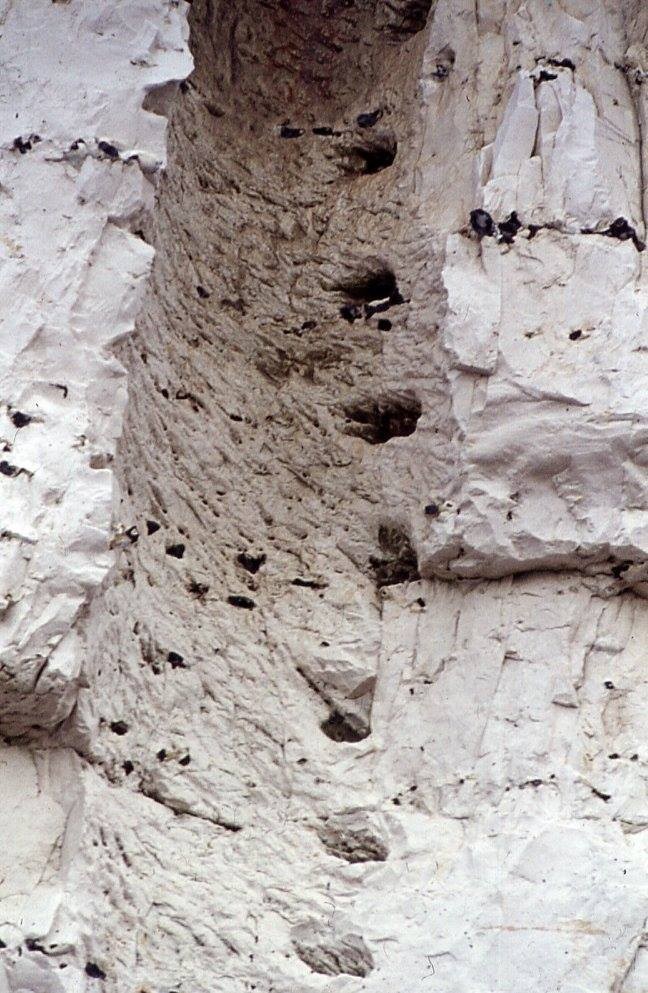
point(78, 155)
point(324, 512)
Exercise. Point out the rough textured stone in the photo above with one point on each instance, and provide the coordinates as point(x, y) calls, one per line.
point(79, 156)
point(322, 654)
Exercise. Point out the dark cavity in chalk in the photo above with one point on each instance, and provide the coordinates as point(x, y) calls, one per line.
point(482, 223)
point(245, 602)
point(20, 420)
point(368, 120)
point(287, 132)
point(110, 151)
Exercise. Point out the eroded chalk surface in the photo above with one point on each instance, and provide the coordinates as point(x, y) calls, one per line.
point(323, 511)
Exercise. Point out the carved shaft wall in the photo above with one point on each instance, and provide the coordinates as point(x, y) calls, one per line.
point(323, 496)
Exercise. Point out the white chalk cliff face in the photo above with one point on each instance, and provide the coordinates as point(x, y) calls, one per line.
point(324, 515)
point(77, 170)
